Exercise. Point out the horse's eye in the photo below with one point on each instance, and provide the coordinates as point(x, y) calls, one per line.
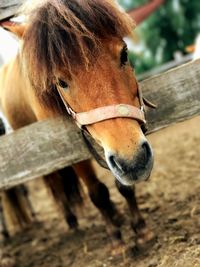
point(124, 56)
point(62, 84)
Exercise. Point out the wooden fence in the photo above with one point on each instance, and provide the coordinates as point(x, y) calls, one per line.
point(46, 146)
point(9, 8)
point(43, 147)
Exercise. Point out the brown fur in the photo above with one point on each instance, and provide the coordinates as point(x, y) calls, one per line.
point(68, 33)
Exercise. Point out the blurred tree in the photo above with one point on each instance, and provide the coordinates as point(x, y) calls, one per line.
point(170, 29)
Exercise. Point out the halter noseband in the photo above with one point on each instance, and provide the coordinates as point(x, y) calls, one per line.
point(109, 112)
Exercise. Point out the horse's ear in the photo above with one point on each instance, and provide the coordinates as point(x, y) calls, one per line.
point(16, 28)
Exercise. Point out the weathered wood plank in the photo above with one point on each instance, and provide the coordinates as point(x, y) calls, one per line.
point(9, 8)
point(39, 149)
point(177, 94)
point(8, 12)
point(165, 67)
point(49, 145)
point(8, 3)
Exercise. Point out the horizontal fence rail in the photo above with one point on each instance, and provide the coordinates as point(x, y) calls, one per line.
point(46, 146)
point(9, 8)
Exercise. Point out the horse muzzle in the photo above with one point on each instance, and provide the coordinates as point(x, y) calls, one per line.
point(129, 172)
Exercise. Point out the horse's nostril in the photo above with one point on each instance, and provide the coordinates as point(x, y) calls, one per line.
point(115, 163)
point(146, 151)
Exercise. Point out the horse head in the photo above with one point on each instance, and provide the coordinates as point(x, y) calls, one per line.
point(74, 53)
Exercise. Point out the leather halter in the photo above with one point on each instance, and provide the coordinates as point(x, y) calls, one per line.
point(109, 112)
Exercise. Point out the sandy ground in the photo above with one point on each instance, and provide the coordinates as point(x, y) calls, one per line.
point(169, 202)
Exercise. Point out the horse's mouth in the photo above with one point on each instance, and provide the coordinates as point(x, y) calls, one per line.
point(132, 178)
point(130, 173)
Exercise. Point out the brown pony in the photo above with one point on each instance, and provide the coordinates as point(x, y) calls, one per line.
point(73, 53)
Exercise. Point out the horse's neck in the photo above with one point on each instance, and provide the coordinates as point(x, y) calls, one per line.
point(24, 97)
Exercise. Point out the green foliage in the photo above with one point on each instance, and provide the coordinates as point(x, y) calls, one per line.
point(171, 28)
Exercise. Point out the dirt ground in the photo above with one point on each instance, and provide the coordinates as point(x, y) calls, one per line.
point(170, 202)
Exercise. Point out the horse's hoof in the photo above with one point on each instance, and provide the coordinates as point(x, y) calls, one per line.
point(144, 236)
point(118, 245)
point(72, 222)
point(145, 239)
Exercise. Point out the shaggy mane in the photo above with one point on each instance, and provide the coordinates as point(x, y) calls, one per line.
point(69, 33)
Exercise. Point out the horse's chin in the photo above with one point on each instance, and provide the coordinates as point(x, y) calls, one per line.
point(132, 179)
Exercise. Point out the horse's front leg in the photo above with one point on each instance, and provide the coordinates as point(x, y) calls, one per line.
point(55, 185)
point(3, 229)
point(24, 192)
point(138, 224)
point(14, 205)
point(100, 197)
